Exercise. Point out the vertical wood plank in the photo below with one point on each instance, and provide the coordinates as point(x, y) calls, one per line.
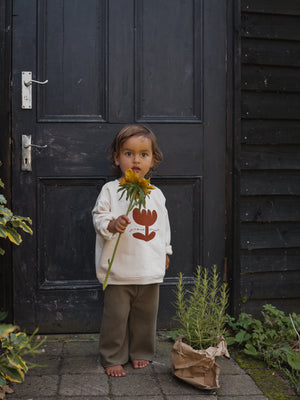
point(121, 61)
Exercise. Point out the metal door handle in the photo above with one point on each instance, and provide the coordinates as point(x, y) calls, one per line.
point(26, 152)
point(27, 82)
point(35, 145)
point(33, 81)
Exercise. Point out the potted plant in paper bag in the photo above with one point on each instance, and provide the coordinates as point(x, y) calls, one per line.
point(200, 313)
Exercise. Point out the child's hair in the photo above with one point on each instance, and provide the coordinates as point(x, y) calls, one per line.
point(128, 132)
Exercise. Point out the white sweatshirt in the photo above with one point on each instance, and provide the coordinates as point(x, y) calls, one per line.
point(141, 254)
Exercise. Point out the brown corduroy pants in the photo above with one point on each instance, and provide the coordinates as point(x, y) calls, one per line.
point(128, 325)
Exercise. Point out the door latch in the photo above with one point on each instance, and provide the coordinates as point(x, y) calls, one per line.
point(26, 152)
point(26, 82)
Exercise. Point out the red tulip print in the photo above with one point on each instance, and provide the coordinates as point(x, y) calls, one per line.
point(145, 218)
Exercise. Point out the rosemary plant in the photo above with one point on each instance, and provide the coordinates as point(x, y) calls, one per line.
point(201, 310)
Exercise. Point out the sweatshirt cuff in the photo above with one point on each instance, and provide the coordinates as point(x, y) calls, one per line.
point(106, 234)
point(169, 250)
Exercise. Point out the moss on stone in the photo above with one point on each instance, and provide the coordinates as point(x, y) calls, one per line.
point(273, 386)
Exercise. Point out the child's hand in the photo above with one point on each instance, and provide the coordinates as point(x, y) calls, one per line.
point(167, 261)
point(119, 225)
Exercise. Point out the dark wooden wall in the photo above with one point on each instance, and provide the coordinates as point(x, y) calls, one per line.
point(270, 155)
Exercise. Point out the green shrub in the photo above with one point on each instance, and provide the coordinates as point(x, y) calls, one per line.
point(201, 311)
point(272, 339)
point(13, 343)
point(9, 223)
point(13, 346)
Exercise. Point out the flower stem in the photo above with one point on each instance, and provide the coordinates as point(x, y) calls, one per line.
point(110, 261)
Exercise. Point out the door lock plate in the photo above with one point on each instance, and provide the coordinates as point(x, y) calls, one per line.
point(26, 153)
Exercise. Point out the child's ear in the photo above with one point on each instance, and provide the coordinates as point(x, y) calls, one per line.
point(152, 164)
point(116, 159)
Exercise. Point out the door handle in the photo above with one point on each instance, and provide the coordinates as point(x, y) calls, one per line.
point(35, 145)
point(26, 152)
point(27, 82)
point(33, 81)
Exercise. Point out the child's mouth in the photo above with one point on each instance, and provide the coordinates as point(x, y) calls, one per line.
point(135, 169)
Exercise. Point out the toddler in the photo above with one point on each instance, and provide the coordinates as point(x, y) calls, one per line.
point(128, 325)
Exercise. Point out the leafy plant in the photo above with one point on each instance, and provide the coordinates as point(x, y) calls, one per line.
point(271, 339)
point(13, 346)
point(9, 223)
point(13, 343)
point(294, 377)
point(201, 311)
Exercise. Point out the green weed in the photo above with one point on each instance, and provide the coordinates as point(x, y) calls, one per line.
point(271, 339)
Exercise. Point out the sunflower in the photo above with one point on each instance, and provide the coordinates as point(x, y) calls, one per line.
point(132, 177)
point(136, 189)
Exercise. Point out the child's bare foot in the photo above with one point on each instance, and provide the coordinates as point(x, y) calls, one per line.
point(116, 371)
point(139, 363)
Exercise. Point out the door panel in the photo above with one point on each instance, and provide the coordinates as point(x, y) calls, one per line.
point(64, 215)
point(71, 42)
point(111, 63)
point(168, 60)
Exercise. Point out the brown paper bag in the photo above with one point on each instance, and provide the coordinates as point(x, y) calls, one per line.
point(198, 367)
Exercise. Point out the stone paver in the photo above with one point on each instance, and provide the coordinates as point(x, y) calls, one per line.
point(83, 365)
point(48, 365)
point(139, 397)
point(36, 386)
point(229, 367)
point(199, 396)
point(84, 385)
point(174, 386)
point(73, 371)
point(237, 385)
point(81, 348)
point(135, 385)
point(81, 398)
point(245, 397)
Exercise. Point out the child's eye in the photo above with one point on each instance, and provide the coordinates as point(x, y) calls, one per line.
point(128, 154)
point(144, 155)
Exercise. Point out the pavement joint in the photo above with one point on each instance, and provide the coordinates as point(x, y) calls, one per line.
point(164, 397)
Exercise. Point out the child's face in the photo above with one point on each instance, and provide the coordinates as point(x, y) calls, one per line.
point(135, 153)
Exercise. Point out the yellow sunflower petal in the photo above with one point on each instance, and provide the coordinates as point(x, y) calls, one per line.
point(131, 176)
point(144, 182)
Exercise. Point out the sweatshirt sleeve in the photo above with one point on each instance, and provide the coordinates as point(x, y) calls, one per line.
point(102, 214)
point(169, 250)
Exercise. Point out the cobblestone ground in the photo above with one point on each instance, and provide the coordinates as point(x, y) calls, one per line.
point(72, 371)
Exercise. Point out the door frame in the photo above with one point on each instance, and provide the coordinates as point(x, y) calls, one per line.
point(233, 150)
point(6, 273)
point(233, 85)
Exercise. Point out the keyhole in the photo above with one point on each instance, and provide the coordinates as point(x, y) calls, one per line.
point(26, 161)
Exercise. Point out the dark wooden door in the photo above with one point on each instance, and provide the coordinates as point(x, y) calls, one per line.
point(110, 63)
